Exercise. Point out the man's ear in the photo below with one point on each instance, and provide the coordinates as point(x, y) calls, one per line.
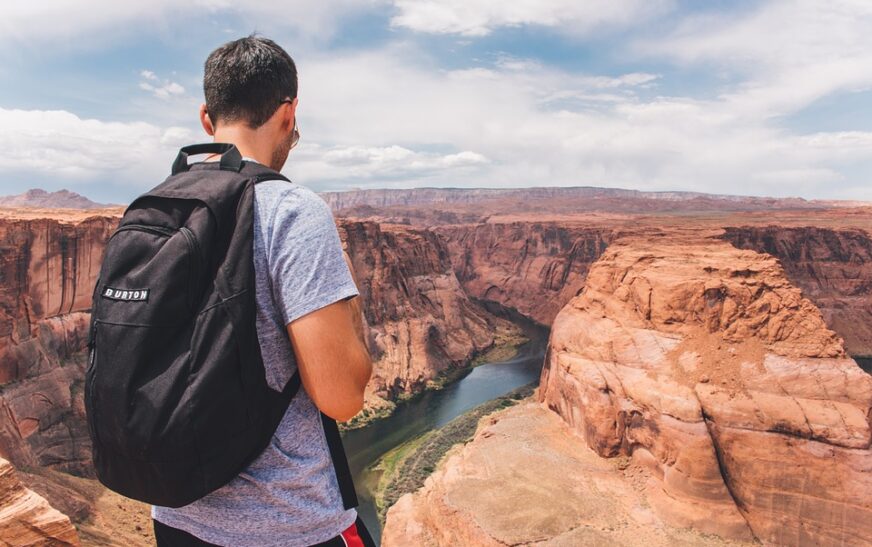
point(205, 121)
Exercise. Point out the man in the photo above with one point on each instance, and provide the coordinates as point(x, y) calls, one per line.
point(308, 316)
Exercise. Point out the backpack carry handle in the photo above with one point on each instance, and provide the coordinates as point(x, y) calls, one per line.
point(231, 158)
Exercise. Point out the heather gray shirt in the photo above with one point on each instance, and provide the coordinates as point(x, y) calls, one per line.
point(289, 495)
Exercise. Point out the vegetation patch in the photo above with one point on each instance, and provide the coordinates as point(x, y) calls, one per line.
point(373, 411)
point(508, 339)
point(404, 469)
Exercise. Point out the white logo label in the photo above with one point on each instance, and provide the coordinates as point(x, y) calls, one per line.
point(129, 295)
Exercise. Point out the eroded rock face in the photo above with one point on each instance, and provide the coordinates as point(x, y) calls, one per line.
point(48, 270)
point(832, 267)
point(535, 268)
point(421, 323)
point(26, 518)
point(707, 366)
point(420, 320)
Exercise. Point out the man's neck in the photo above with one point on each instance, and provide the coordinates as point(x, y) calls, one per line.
point(247, 141)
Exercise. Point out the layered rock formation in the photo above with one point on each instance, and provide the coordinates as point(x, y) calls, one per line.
point(28, 519)
point(833, 267)
point(421, 323)
point(550, 200)
point(533, 267)
point(704, 364)
point(48, 270)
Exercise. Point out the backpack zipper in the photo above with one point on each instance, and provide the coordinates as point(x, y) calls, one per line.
point(160, 230)
point(195, 267)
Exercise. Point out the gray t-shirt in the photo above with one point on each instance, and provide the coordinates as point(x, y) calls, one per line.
point(289, 495)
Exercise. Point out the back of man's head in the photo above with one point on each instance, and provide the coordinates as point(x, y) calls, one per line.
point(246, 80)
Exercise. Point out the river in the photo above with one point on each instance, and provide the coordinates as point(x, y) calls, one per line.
point(433, 409)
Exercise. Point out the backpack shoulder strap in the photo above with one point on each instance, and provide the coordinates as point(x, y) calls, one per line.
point(340, 462)
point(260, 173)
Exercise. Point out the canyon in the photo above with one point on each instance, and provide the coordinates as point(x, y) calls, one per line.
point(727, 404)
point(427, 264)
point(421, 323)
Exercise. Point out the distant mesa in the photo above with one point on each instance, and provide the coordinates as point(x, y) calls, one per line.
point(37, 198)
point(436, 205)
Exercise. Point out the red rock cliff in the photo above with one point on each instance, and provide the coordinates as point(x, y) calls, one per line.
point(48, 270)
point(533, 267)
point(703, 363)
point(420, 320)
point(832, 267)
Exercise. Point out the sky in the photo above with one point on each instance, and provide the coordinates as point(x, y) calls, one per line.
point(768, 97)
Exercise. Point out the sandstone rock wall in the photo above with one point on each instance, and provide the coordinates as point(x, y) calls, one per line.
point(833, 268)
point(533, 267)
point(26, 518)
point(704, 364)
point(420, 320)
point(48, 270)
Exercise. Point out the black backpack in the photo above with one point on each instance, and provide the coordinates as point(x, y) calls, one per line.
point(176, 395)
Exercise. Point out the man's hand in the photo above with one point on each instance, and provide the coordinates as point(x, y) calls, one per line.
point(332, 357)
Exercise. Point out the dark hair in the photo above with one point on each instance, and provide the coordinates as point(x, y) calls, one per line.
point(246, 80)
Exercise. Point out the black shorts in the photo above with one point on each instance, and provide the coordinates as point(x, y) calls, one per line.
point(355, 535)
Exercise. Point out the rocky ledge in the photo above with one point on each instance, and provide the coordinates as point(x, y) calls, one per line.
point(526, 479)
point(26, 518)
point(705, 365)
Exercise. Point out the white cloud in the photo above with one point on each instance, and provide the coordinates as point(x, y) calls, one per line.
point(60, 144)
point(538, 125)
point(481, 17)
point(164, 90)
point(177, 137)
point(79, 23)
point(787, 53)
point(312, 163)
point(394, 116)
point(521, 124)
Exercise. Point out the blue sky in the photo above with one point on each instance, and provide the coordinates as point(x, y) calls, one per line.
point(745, 97)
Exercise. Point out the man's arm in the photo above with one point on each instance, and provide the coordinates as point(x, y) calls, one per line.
point(331, 352)
point(333, 361)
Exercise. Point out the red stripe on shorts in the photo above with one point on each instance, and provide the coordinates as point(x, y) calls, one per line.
point(351, 537)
